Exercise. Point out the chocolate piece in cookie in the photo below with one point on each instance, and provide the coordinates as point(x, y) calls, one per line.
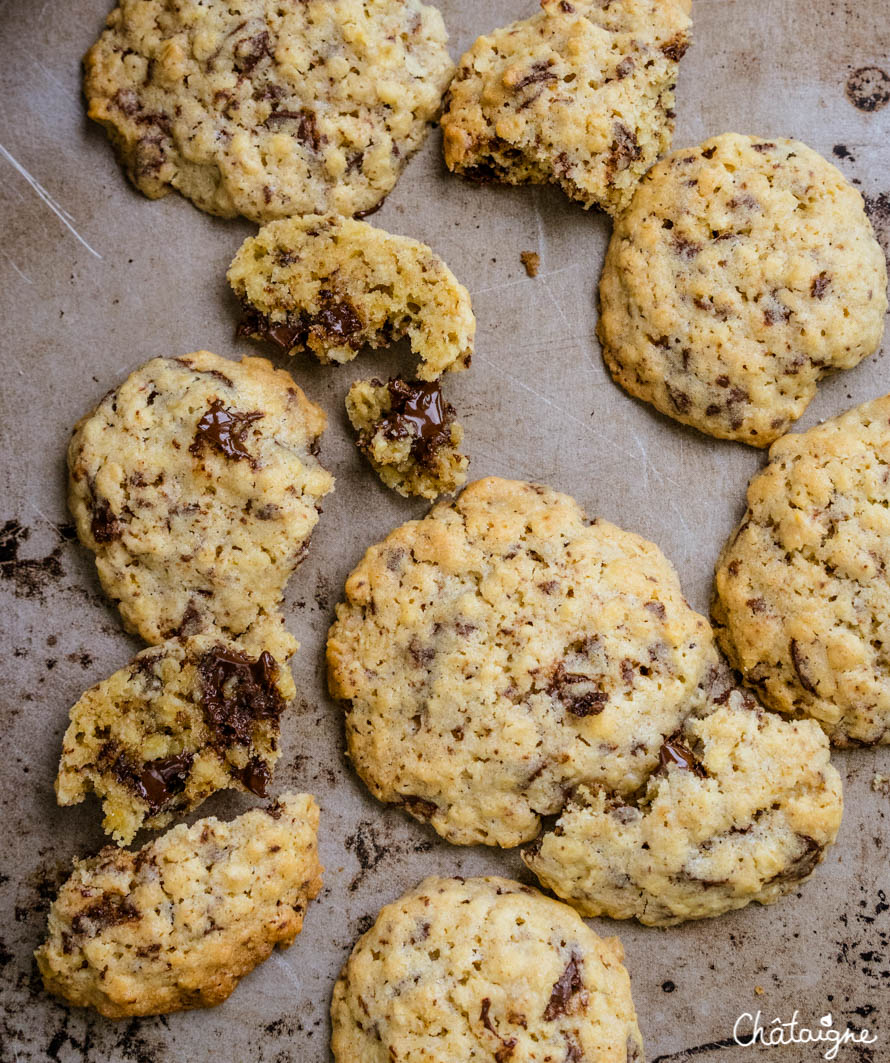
point(332, 285)
point(408, 432)
point(177, 924)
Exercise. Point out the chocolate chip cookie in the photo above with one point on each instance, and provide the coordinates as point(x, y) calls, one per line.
point(581, 95)
point(177, 924)
point(743, 271)
point(268, 109)
point(504, 650)
point(195, 483)
point(802, 603)
point(183, 720)
point(333, 285)
point(483, 969)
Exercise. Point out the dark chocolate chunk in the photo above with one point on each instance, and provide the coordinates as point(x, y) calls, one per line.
point(224, 429)
point(155, 781)
point(624, 148)
point(820, 285)
point(799, 660)
point(577, 692)
point(285, 335)
point(803, 865)
point(676, 47)
point(236, 693)
point(420, 807)
point(539, 72)
point(418, 412)
point(110, 910)
point(337, 319)
point(674, 753)
point(255, 775)
point(567, 987)
point(307, 128)
point(104, 525)
point(249, 51)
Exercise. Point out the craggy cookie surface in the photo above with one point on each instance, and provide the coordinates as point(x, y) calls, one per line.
point(407, 431)
point(580, 95)
point(743, 271)
point(740, 809)
point(332, 285)
point(196, 485)
point(503, 650)
point(268, 109)
point(802, 601)
point(177, 924)
point(483, 969)
point(183, 720)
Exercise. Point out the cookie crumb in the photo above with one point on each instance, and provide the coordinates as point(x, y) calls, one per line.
point(881, 785)
point(758, 989)
point(532, 262)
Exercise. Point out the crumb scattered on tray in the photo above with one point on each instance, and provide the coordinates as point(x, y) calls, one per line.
point(532, 262)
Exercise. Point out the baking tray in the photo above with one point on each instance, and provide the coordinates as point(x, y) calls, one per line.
point(97, 279)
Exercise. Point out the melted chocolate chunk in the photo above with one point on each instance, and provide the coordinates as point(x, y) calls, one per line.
point(225, 430)
point(156, 781)
point(804, 864)
point(674, 752)
point(236, 693)
point(104, 525)
point(110, 910)
point(569, 985)
point(676, 47)
point(573, 690)
point(255, 776)
point(285, 335)
point(418, 412)
point(336, 319)
point(799, 660)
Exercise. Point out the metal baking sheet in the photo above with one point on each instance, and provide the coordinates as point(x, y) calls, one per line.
point(97, 279)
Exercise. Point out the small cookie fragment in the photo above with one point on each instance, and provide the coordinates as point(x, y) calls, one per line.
point(743, 271)
point(483, 969)
point(407, 431)
point(183, 720)
point(531, 262)
point(195, 483)
point(801, 597)
point(741, 809)
point(580, 96)
point(268, 109)
point(504, 650)
point(177, 924)
point(333, 285)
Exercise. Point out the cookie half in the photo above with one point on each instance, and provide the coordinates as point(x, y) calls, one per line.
point(743, 271)
point(195, 483)
point(183, 720)
point(267, 109)
point(579, 95)
point(483, 969)
point(801, 599)
point(332, 285)
point(505, 649)
point(177, 924)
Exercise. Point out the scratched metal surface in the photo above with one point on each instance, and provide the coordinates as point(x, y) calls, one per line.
point(97, 279)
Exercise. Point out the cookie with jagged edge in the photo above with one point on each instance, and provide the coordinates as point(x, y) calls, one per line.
point(741, 808)
point(505, 649)
point(196, 485)
point(177, 924)
point(483, 969)
point(407, 431)
point(801, 598)
point(181, 721)
point(579, 95)
point(743, 271)
point(333, 285)
point(268, 109)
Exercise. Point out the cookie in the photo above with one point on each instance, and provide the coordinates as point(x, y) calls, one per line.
point(183, 720)
point(407, 431)
point(177, 924)
point(801, 599)
point(332, 285)
point(743, 272)
point(267, 109)
point(579, 95)
point(483, 969)
point(195, 484)
point(740, 809)
point(504, 650)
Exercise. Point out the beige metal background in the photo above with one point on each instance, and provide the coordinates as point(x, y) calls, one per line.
point(88, 296)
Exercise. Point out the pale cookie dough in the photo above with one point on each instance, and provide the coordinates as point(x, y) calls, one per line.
point(332, 285)
point(408, 432)
point(583, 99)
point(196, 485)
point(802, 599)
point(268, 109)
point(183, 720)
point(741, 809)
point(177, 924)
point(505, 649)
point(743, 272)
point(483, 969)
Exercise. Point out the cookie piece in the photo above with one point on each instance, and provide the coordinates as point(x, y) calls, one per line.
point(741, 809)
point(183, 720)
point(483, 969)
point(580, 96)
point(264, 109)
point(177, 924)
point(742, 273)
point(195, 484)
point(332, 285)
point(505, 649)
point(801, 599)
point(407, 431)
